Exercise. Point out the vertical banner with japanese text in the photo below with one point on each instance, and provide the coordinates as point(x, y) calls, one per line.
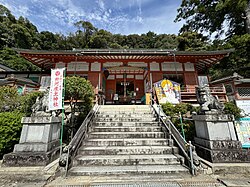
point(56, 89)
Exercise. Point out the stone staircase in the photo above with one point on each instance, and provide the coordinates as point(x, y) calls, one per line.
point(126, 139)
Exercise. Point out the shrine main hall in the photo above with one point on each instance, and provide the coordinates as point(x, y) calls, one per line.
point(127, 72)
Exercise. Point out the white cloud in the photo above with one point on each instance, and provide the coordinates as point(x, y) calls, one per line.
point(101, 4)
point(117, 16)
point(19, 10)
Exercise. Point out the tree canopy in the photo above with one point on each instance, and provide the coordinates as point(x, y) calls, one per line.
point(78, 88)
point(215, 16)
point(231, 17)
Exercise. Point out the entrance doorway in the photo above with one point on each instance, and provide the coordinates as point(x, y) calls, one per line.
point(125, 91)
point(124, 88)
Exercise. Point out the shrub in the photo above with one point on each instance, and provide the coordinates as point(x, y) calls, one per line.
point(10, 130)
point(10, 100)
point(231, 108)
point(27, 101)
point(168, 108)
point(186, 110)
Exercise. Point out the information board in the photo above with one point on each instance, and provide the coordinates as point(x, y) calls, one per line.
point(244, 105)
point(243, 131)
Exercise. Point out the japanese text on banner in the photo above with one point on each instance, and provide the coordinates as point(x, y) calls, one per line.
point(56, 89)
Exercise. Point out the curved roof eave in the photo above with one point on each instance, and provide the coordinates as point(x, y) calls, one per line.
point(123, 52)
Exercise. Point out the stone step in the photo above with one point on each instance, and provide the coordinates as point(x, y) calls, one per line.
point(126, 124)
point(126, 142)
point(128, 112)
point(129, 115)
point(137, 169)
point(125, 150)
point(127, 119)
point(121, 160)
point(125, 110)
point(110, 135)
point(125, 106)
point(127, 129)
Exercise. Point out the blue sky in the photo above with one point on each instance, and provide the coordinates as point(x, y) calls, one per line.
point(116, 16)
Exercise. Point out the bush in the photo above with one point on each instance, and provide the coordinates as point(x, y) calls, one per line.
point(168, 108)
point(10, 130)
point(186, 110)
point(12, 108)
point(10, 100)
point(27, 101)
point(231, 108)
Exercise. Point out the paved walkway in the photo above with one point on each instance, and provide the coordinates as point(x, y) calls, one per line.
point(45, 176)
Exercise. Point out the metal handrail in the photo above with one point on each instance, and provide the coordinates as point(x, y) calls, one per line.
point(185, 147)
point(70, 150)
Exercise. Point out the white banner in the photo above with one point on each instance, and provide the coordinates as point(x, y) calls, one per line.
point(56, 89)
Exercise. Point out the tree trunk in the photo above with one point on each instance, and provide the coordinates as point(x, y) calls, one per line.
point(247, 23)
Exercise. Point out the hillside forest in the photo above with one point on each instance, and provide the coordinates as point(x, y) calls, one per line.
point(21, 33)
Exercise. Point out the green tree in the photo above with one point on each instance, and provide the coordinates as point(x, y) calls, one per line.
point(23, 38)
point(47, 40)
point(238, 61)
point(88, 30)
point(62, 42)
point(6, 34)
point(210, 15)
point(166, 41)
point(149, 39)
point(79, 92)
point(119, 39)
point(134, 41)
point(77, 89)
point(11, 59)
point(101, 39)
point(27, 34)
point(115, 46)
point(15, 33)
point(192, 41)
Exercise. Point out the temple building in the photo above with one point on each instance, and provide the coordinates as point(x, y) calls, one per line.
point(12, 78)
point(124, 73)
point(237, 87)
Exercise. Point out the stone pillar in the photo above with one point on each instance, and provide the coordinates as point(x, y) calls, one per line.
point(39, 142)
point(216, 139)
